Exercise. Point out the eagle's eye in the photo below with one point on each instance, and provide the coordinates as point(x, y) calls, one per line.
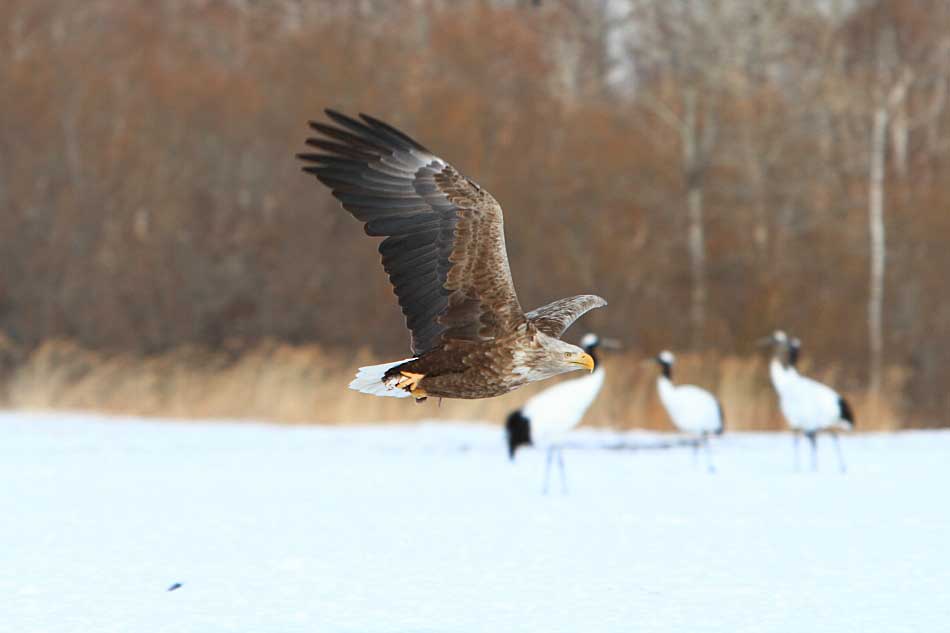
point(567, 354)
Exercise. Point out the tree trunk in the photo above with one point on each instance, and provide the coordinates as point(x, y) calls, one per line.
point(692, 163)
point(900, 139)
point(878, 250)
point(697, 266)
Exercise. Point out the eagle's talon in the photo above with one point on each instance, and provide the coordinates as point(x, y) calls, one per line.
point(410, 382)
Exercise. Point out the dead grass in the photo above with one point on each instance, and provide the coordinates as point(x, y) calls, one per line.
point(307, 384)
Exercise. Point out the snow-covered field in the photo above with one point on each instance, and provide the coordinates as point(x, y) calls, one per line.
point(430, 528)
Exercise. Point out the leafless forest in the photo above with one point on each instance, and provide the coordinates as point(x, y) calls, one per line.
point(714, 169)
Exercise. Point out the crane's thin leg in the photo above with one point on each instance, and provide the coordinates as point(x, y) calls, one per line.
point(695, 453)
point(560, 463)
point(798, 460)
point(547, 469)
point(834, 436)
point(709, 462)
point(813, 440)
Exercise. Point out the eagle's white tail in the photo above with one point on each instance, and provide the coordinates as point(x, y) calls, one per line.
point(370, 380)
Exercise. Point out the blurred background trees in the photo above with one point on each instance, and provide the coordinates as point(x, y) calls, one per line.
point(715, 169)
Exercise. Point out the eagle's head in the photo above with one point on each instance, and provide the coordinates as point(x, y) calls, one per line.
point(550, 356)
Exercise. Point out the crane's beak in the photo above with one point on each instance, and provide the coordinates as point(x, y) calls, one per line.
point(766, 341)
point(585, 360)
point(610, 343)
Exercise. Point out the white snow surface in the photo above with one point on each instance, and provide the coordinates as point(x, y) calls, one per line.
point(430, 528)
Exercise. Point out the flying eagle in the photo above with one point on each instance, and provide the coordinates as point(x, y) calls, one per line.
point(445, 256)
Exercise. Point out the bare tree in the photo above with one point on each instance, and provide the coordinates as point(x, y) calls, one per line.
point(890, 51)
point(692, 61)
point(676, 74)
point(774, 163)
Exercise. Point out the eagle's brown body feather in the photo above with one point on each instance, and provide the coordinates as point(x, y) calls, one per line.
point(471, 370)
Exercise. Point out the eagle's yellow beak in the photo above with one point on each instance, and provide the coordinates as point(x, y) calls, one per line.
point(585, 361)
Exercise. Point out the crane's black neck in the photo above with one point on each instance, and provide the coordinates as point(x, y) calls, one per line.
point(792, 355)
point(518, 431)
point(591, 351)
point(667, 370)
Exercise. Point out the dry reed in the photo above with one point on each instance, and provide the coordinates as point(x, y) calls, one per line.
point(307, 384)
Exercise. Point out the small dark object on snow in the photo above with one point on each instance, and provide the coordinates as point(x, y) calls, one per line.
point(175, 586)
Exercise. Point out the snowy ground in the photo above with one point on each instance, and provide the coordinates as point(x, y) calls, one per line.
point(430, 528)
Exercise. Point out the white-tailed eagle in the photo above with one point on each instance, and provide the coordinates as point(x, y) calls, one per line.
point(445, 256)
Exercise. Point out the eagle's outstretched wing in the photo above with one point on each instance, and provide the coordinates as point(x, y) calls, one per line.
point(445, 245)
point(554, 318)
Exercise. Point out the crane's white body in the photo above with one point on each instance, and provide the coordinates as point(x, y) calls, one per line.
point(560, 408)
point(692, 409)
point(810, 405)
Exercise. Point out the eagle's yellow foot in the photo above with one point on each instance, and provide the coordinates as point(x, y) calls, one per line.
point(410, 382)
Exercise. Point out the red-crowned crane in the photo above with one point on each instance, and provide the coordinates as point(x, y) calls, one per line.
point(693, 410)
